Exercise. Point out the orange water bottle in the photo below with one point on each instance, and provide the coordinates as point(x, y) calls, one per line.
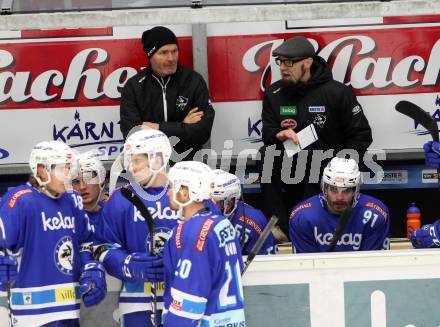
point(412, 219)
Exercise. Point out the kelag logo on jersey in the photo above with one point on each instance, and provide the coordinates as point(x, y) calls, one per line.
point(254, 131)
point(88, 133)
point(3, 154)
point(63, 255)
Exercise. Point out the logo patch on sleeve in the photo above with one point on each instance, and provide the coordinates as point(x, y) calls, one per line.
point(179, 236)
point(16, 196)
point(356, 110)
point(203, 234)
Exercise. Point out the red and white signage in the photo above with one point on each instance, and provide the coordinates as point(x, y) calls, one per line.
point(66, 84)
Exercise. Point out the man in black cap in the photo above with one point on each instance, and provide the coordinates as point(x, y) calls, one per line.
point(167, 96)
point(306, 94)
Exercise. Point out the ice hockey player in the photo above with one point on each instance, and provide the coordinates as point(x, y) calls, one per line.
point(90, 184)
point(428, 235)
point(313, 221)
point(46, 222)
point(247, 221)
point(126, 254)
point(202, 259)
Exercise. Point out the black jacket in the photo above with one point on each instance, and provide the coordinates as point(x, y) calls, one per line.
point(142, 101)
point(330, 105)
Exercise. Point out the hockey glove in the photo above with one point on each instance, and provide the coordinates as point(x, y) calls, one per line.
point(92, 285)
point(425, 237)
point(8, 268)
point(139, 267)
point(432, 154)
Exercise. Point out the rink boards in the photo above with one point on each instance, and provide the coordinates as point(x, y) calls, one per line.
point(378, 289)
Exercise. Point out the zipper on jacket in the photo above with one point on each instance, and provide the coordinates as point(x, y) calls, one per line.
point(163, 85)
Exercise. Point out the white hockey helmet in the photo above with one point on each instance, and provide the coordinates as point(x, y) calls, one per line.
point(227, 188)
point(150, 142)
point(342, 173)
point(196, 176)
point(49, 153)
point(88, 162)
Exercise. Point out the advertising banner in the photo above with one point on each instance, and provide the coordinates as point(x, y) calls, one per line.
point(66, 84)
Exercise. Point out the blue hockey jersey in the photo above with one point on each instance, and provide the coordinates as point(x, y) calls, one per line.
point(203, 268)
point(95, 217)
point(252, 221)
point(311, 226)
point(125, 230)
point(54, 238)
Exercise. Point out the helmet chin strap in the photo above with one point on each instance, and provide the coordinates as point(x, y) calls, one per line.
point(180, 204)
point(42, 186)
point(47, 192)
point(95, 205)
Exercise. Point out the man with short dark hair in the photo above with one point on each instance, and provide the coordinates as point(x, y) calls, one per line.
point(313, 222)
point(167, 96)
point(306, 95)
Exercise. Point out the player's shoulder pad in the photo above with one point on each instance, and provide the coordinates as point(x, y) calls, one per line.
point(197, 231)
point(224, 231)
point(253, 218)
point(18, 193)
point(305, 205)
point(116, 191)
point(375, 205)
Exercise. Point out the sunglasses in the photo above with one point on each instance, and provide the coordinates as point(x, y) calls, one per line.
point(289, 62)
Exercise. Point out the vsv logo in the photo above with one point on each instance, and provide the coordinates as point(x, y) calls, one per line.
point(254, 131)
point(88, 133)
point(3, 154)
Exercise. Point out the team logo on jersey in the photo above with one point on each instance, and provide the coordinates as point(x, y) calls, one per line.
point(27, 298)
point(161, 235)
point(63, 255)
point(289, 123)
point(288, 110)
point(181, 102)
point(320, 120)
point(356, 110)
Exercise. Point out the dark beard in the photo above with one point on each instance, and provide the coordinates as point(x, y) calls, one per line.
point(293, 87)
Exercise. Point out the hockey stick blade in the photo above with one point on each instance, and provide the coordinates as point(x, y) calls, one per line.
point(137, 202)
point(420, 116)
point(343, 220)
point(423, 118)
point(257, 246)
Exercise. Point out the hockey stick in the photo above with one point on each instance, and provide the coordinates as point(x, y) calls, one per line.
point(423, 118)
point(4, 248)
point(343, 220)
point(137, 202)
point(257, 246)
